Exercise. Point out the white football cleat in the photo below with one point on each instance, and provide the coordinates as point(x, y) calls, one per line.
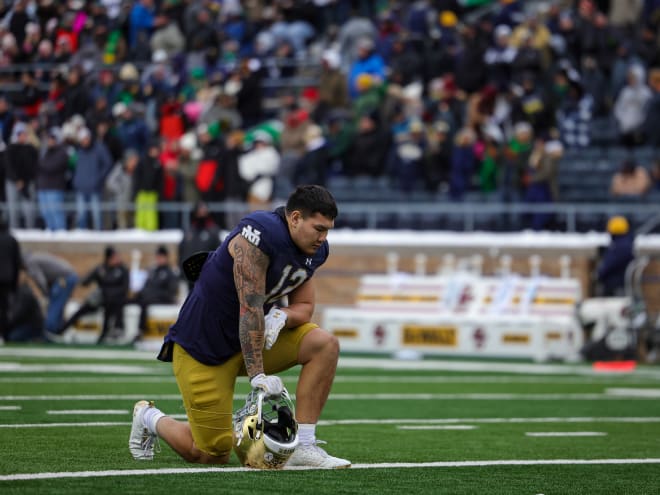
point(142, 442)
point(313, 456)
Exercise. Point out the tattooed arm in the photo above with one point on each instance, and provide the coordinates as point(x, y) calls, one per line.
point(250, 265)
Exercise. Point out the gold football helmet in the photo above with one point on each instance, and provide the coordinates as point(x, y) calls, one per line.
point(265, 431)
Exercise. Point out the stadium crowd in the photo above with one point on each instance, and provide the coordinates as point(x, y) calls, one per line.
point(150, 103)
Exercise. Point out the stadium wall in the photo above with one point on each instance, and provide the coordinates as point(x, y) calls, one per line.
point(356, 253)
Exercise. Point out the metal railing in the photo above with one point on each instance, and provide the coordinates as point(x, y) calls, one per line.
point(491, 216)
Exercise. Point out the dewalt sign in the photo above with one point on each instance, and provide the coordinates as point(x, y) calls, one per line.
point(429, 335)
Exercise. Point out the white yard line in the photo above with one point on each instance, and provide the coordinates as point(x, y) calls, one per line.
point(389, 421)
point(578, 419)
point(128, 397)
point(385, 465)
point(650, 393)
point(438, 427)
point(10, 408)
point(565, 434)
point(344, 362)
point(73, 353)
point(482, 366)
point(64, 425)
point(168, 378)
point(485, 396)
point(91, 379)
point(120, 369)
point(73, 412)
point(351, 397)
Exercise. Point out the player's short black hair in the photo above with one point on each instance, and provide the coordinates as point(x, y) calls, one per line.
point(311, 199)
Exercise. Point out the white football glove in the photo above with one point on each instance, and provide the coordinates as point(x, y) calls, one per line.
point(275, 321)
point(271, 384)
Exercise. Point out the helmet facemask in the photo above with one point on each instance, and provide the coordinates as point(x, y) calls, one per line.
point(265, 431)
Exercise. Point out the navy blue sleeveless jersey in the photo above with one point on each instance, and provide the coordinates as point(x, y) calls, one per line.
point(207, 325)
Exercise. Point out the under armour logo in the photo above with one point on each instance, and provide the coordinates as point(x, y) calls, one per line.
point(253, 236)
point(308, 261)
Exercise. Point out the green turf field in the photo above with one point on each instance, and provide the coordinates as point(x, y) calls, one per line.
point(408, 427)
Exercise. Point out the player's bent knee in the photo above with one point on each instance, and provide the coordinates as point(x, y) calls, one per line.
point(328, 344)
point(319, 343)
point(333, 344)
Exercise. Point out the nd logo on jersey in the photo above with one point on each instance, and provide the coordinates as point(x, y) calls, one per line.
point(253, 236)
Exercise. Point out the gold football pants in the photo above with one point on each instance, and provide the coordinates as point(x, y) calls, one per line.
point(208, 391)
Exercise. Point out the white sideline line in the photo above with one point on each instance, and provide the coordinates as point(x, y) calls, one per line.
point(64, 425)
point(344, 362)
point(120, 369)
point(70, 353)
point(651, 393)
point(92, 397)
point(484, 396)
point(438, 427)
point(371, 397)
point(92, 379)
point(349, 422)
point(10, 408)
point(384, 465)
point(565, 434)
point(605, 419)
point(168, 378)
point(72, 412)
point(482, 366)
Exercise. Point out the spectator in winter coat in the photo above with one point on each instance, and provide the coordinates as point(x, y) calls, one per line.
point(499, 58)
point(652, 121)
point(21, 160)
point(120, 186)
point(516, 158)
point(56, 279)
point(368, 62)
point(404, 62)
point(249, 98)
point(51, 181)
point(531, 104)
point(92, 168)
point(131, 128)
point(147, 184)
point(169, 38)
point(6, 121)
point(612, 267)
point(470, 69)
point(141, 22)
point(258, 167)
point(106, 87)
point(314, 165)
point(76, 96)
point(630, 107)
point(462, 163)
point(366, 154)
point(333, 87)
point(541, 178)
point(631, 180)
point(575, 114)
point(188, 165)
point(407, 155)
point(437, 157)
